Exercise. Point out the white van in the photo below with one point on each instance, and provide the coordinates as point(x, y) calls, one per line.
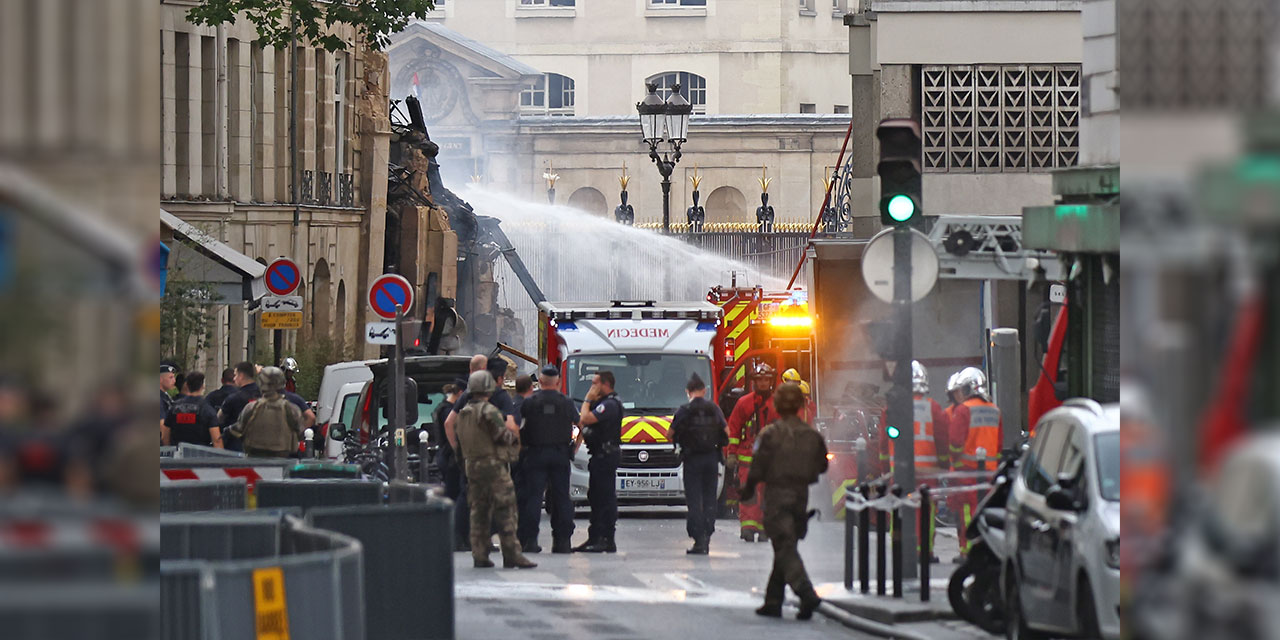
point(335, 377)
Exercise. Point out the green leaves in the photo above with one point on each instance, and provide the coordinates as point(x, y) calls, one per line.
point(312, 21)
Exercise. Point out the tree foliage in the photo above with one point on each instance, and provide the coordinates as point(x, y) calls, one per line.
point(278, 21)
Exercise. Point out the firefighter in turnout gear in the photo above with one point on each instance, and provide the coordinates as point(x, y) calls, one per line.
point(976, 428)
point(789, 456)
point(749, 417)
point(930, 425)
point(488, 447)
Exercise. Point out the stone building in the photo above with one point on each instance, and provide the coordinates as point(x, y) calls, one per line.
point(515, 89)
point(996, 86)
point(275, 155)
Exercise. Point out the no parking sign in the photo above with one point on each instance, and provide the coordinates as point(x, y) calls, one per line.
point(387, 291)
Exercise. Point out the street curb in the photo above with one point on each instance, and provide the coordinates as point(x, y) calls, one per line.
point(867, 626)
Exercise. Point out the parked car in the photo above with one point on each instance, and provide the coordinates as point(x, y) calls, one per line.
point(348, 399)
point(335, 376)
point(1063, 575)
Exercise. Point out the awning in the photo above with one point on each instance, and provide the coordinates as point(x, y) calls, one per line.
point(235, 276)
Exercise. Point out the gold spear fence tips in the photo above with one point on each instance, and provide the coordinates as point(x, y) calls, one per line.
point(764, 180)
point(695, 178)
point(624, 179)
point(550, 176)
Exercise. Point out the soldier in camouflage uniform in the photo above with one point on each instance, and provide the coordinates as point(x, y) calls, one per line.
point(488, 448)
point(789, 456)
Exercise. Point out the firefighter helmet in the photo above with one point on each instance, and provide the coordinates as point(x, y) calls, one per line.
point(788, 399)
point(791, 375)
point(763, 370)
point(919, 378)
point(970, 382)
point(289, 365)
point(804, 388)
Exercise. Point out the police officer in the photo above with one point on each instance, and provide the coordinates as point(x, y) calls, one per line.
point(270, 426)
point(168, 381)
point(789, 456)
point(601, 419)
point(190, 418)
point(698, 429)
point(548, 417)
point(488, 446)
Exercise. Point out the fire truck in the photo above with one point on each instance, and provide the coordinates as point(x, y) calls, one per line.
point(652, 348)
point(759, 325)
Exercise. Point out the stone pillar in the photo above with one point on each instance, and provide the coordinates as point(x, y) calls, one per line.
point(240, 119)
point(373, 127)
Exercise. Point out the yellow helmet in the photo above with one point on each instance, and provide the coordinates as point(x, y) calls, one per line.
point(791, 375)
point(804, 387)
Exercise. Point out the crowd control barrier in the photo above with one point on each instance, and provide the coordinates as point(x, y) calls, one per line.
point(310, 493)
point(877, 506)
point(408, 565)
point(203, 495)
point(228, 576)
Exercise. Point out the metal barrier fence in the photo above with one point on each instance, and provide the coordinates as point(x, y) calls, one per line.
point(249, 575)
point(413, 543)
point(203, 495)
point(188, 450)
point(309, 493)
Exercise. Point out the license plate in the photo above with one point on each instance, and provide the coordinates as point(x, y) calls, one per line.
point(659, 484)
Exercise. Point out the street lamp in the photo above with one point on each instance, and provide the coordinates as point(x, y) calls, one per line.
point(664, 121)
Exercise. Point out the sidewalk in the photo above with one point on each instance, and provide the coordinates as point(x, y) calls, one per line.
point(905, 617)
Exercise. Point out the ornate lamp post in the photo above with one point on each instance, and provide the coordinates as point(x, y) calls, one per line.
point(664, 122)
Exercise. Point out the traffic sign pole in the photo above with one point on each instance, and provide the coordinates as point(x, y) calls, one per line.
point(901, 407)
point(400, 455)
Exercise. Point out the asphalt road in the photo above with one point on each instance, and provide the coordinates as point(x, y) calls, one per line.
point(649, 589)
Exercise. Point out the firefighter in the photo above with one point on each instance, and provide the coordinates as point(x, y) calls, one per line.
point(791, 457)
point(750, 415)
point(791, 375)
point(930, 429)
point(975, 433)
point(290, 368)
point(810, 411)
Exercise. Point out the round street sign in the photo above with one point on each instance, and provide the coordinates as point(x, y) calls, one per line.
point(877, 265)
point(387, 291)
point(282, 276)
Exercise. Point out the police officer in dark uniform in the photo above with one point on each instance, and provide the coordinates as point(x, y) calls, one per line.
point(601, 419)
point(547, 435)
point(190, 419)
point(700, 431)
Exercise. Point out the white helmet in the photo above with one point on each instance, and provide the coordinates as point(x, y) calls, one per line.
point(970, 381)
point(919, 378)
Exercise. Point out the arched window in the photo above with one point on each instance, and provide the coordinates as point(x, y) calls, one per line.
point(692, 86)
point(551, 95)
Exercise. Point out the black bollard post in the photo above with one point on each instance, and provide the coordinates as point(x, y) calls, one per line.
point(848, 547)
point(926, 541)
point(882, 526)
point(864, 542)
point(898, 551)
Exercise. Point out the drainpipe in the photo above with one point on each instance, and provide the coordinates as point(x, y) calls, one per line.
point(220, 116)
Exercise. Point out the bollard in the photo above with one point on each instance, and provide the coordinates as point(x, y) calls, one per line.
point(423, 438)
point(896, 491)
point(926, 541)
point(881, 529)
point(864, 542)
point(308, 444)
point(848, 549)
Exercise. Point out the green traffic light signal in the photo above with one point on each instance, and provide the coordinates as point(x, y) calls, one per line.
point(901, 207)
point(893, 432)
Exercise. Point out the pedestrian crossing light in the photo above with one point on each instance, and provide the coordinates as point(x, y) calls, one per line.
point(899, 171)
point(893, 432)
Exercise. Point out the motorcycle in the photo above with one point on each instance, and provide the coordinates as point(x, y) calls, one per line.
point(974, 588)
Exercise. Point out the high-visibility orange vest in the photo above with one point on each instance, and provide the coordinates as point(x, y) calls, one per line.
point(984, 433)
point(926, 452)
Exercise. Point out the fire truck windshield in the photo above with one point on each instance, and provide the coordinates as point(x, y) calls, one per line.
point(647, 382)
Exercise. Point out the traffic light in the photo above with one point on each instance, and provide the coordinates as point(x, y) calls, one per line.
point(893, 432)
point(899, 171)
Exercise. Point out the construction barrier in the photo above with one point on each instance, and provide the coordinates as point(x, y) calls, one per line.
point(80, 610)
point(319, 469)
point(408, 565)
point(188, 450)
point(311, 493)
point(203, 495)
point(222, 468)
point(258, 575)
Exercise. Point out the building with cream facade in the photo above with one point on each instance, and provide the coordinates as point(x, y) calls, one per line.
point(767, 78)
point(268, 176)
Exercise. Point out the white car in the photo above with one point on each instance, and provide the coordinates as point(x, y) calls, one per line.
point(1063, 575)
point(333, 389)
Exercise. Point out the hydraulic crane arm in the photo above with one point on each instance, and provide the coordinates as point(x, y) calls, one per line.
point(491, 231)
